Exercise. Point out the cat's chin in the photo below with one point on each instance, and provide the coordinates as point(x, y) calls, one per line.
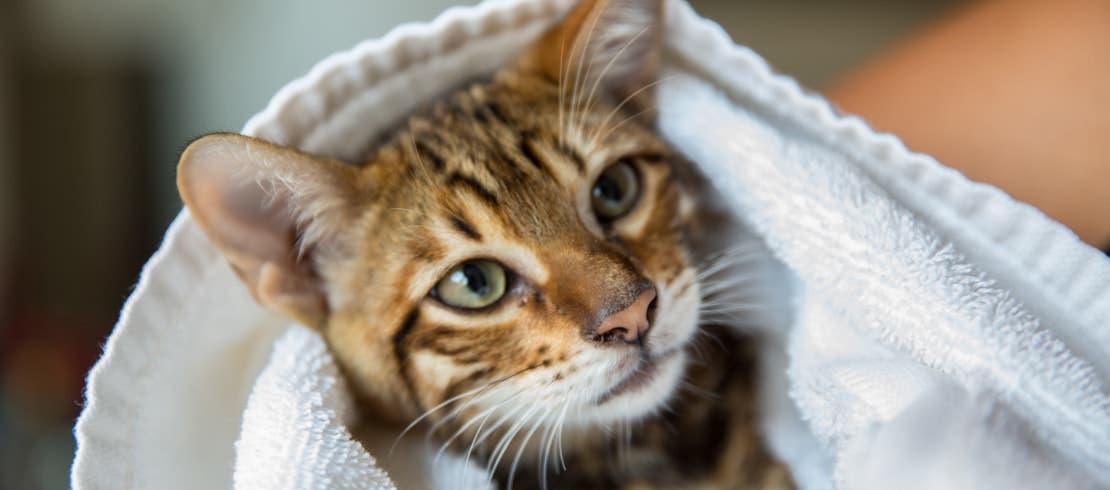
point(638, 394)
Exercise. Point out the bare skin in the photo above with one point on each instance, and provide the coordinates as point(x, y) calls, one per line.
point(1015, 93)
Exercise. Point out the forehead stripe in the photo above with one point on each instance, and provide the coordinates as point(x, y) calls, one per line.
point(465, 228)
point(401, 354)
point(425, 151)
point(457, 179)
point(529, 152)
point(493, 110)
point(574, 158)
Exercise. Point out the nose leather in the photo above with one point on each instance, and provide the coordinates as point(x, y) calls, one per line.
point(628, 325)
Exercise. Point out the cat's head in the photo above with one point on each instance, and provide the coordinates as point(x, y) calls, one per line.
point(520, 248)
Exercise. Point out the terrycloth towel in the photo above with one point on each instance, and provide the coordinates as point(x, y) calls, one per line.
point(943, 335)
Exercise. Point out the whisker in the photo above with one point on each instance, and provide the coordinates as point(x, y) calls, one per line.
point(599, 136)
point(482, 436)
point(541, 455)
point(550, 438)
point(732, 308)
point(719, 264)
point(559, 439)
point(461, 430)
point(735, 286)
point(632, 96)
point(562, 90)
point(731, 299)
point(579, 76)
point(507, 439)
point(695, 345)
point(472, 392)
point(459, 409)
point(474, 442)
point(699, 391)
point(590, 100)
point(746, 247)
point(733, 319)
point(603, 125)
point(419, 157)
point(431, 411)
point(626, 444)
point(503, 447)
point(733, 278)
point(524, 443)
point(705, 333)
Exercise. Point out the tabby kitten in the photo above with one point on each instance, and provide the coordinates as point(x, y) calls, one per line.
point(513, 270)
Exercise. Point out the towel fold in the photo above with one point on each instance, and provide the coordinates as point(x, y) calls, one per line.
point(942, 335)
point(294, 432)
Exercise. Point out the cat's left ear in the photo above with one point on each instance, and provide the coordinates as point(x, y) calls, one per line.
point(612, 44)
point(269, 209)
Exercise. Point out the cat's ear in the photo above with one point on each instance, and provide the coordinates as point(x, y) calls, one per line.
point(611, 44)
point(268, 208)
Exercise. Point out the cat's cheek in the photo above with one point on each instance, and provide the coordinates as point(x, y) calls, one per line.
point(648, 399)
point(676, 320)
point(590, 374)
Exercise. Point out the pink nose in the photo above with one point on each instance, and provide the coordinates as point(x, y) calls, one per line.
point(629, 324)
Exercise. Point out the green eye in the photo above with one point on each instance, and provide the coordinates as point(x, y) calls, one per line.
point(615, 191)
point(472, 285)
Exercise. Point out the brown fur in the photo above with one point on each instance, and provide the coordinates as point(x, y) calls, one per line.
point(456, 160)
point(703, 441)
point(502, 170)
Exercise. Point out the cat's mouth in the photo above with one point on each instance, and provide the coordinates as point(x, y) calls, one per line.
point(643, 372)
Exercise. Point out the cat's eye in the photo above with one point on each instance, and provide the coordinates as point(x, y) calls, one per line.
point(615, 192)
point(472, 285)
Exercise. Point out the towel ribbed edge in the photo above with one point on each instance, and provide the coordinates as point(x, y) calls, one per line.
point(123, 370)
point(1007, 238)
point(923, 185)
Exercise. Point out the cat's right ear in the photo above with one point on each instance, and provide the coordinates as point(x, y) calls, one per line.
point(268, 208)
point(614, 45)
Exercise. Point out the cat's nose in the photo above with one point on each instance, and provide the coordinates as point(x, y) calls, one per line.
point(628, 325)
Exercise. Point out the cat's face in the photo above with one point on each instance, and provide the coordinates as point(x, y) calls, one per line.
point(518, 264)
point(519, 253)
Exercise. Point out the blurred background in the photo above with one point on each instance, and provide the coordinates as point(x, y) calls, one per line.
point(98, 98)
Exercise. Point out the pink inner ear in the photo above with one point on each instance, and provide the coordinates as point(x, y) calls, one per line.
point(235, 188)
point(264, 221)
point(236, 211)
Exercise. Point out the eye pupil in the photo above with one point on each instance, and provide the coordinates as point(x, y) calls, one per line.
point(475, 279)
point(615, 191)
point(607, 188)
point(472, 285)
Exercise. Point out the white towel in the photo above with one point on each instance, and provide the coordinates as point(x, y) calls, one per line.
point(944, 335)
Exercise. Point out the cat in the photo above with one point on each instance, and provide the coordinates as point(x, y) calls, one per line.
point(519, 269)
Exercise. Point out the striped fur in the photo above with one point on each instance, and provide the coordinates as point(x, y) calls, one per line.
point(503, 170)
